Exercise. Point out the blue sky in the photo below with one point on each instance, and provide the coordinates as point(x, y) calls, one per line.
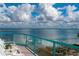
point(57, 5)
point(60, 5)
point(16, 4)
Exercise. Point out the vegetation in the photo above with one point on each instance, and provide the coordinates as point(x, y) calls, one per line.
point(8, 46)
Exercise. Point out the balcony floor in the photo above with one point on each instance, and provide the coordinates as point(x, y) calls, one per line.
point(18, 51)
point(24, 51)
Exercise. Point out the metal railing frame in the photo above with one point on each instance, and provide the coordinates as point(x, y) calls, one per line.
point(49, 40)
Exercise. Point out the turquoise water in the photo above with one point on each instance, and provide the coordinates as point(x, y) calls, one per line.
point(69, 36)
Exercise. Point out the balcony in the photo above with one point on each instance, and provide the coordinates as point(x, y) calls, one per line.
point(31, 45)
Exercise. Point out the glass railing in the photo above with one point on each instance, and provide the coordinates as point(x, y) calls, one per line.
point(44, 47)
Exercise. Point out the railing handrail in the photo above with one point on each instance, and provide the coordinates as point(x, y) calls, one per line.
point(52, 41)
point(53, 51)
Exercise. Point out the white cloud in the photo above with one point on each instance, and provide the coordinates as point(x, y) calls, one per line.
point(70, 10)
point(49, 10)
point(61, 8)
point(48, 16)
point(2, 7)
point(27, 7)
point(22, 12)
point(22, 16)
point(12, 9)
point(4, 18)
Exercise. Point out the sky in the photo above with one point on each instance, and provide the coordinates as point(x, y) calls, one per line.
point(40, 14)
point(56, 5)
